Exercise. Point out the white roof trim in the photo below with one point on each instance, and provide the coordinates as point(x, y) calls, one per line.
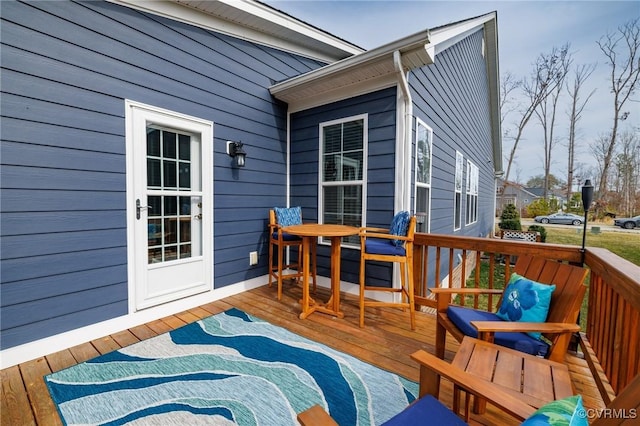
point(254, 22)
point(362, 73)
point(374, 69)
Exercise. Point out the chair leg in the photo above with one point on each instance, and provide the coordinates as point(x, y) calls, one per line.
point(280, 254)
point(403, 284)
point(441, 337)
point(271, 276)
point(412, 306)
point(362, 270)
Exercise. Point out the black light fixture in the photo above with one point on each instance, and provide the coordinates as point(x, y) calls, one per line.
point(587, 199)
point(234, 149)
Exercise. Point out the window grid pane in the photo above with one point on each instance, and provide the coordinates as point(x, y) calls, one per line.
point(342, 166)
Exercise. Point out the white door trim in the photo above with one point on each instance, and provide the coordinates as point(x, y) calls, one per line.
point(135, 175)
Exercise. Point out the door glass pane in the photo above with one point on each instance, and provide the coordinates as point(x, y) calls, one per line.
point(154, 178)
point(170, 206)
point(171, 165)
point(169, 174)
point(185, 175)
point(184, 142)
point(169, 144)
point(153, 142)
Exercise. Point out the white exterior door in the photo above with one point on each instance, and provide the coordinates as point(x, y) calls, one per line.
point(170, 205)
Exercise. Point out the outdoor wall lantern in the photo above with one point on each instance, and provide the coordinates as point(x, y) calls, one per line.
point(587, 199)
point(234, 149)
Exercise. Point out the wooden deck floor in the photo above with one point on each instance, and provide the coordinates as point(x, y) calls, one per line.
point(386, 341)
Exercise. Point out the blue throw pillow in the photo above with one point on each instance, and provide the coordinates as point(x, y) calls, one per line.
point(399, 226)
point(288, 216)
point(525, 301)
point(568, 411)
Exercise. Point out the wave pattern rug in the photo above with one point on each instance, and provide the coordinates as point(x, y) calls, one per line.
point(230, 368)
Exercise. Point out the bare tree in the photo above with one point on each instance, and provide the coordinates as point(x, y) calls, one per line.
point(627, 172)
point(546, 113)
point(622, 50)
point(508, 84)
point(581, 74)
point(542, 82)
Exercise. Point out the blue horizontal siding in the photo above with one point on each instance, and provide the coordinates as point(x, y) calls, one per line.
point(67, 68)
point(452, 97)
point(381, 109)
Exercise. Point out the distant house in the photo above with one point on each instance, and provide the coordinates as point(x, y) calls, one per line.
point(516, 194)
point(120, 203)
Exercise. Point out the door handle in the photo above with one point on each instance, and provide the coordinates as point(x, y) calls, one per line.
point(139, 208)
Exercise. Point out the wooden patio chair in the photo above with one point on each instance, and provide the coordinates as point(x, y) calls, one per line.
point(278, 241)
point(560, 323)
point(389, 245)
point(428, 410)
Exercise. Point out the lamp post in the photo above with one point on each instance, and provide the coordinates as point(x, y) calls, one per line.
point(587, 199)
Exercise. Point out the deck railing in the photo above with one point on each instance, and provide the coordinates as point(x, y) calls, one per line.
point(611, 338)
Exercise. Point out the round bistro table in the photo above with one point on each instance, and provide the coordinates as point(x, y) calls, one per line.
point(308, 232)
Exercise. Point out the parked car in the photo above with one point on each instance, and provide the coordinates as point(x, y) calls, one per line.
point(560, 218)
point(628, 222)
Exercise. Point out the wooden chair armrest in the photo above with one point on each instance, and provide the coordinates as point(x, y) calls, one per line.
point(431, 366)
point(386, 236)
point(316, 416)
point(367, 229)
point(514, 326)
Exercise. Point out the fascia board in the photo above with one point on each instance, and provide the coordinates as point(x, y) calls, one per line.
point(384, 53)
point(326, 49)
point(278, 18)
point(448, 35)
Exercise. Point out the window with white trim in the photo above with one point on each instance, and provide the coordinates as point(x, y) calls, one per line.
point(457, 201)
point(424, 140)
point(472, 193)
point(343, 165)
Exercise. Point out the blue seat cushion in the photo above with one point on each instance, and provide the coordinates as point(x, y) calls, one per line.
point(426, 410)
point(522, 342)
point(382, 246)
point(286, 237)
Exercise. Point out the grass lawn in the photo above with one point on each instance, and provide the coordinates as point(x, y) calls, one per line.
point(624, 244)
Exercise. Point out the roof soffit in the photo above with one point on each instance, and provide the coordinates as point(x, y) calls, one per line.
point(374, 69)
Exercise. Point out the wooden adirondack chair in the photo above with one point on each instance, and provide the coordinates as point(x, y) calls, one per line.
point(428, 410)
point(564, 308)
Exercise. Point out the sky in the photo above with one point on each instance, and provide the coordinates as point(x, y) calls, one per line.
point(526, 29)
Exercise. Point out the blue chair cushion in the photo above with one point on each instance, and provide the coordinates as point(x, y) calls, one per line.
point(426, 410)
point(286, 237)
point(288, 216)
point(522, 342)
point(384, 247)
point(525, 300)
point(400, 226)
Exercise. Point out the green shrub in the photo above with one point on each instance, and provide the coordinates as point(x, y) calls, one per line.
point(541, 230)
point(510, 218)
point(539, 207)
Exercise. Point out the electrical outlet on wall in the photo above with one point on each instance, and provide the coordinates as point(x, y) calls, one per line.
point(253, 258)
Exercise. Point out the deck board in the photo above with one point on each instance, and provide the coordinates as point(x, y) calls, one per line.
point(386, 341)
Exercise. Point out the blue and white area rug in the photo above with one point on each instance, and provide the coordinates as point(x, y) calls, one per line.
point(230, 368)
